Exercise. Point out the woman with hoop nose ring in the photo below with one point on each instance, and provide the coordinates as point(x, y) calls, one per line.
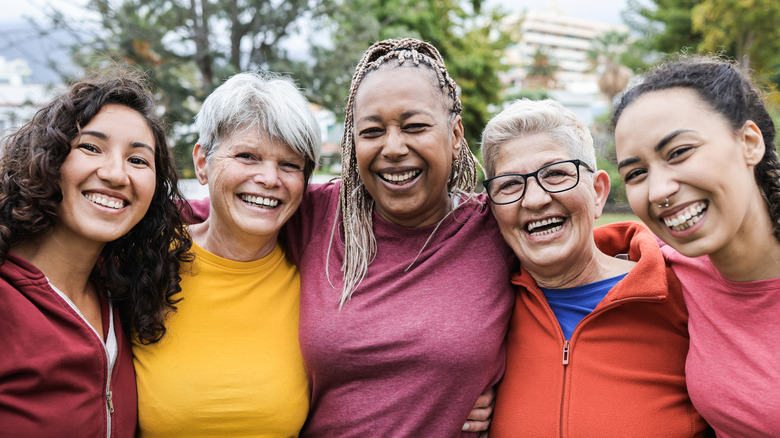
point(597, 341)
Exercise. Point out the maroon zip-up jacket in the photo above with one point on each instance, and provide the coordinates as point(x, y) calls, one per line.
point(54, 374)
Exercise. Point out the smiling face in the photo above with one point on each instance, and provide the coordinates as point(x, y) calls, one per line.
point(405, 142)
point(107, 179)
point(671, 144)
point(255, 186)
point(549, 232)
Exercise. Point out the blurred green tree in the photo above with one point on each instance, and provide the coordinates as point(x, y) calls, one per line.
point(468, 38)
point(188, 47)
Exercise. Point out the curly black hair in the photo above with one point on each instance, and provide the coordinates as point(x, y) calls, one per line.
point(141, 268)
point(728, 91)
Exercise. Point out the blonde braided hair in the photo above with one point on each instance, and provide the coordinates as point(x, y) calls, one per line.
point(355, 203)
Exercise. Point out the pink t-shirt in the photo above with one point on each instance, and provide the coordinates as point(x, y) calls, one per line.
point(412, 350)
point(733, 365)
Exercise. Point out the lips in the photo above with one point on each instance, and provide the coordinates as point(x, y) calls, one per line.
point(688, 217)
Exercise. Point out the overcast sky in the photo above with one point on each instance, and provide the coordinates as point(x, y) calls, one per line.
point(602, 10)
point(17, 39)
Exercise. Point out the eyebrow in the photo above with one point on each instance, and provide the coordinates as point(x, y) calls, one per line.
point(102, 136)
point(405, 115)
point(660, 145)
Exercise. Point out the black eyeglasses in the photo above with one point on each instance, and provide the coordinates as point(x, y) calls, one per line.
point(552, 178)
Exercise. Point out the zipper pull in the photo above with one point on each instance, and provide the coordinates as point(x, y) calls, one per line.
point(109, 402)
point(565, 352)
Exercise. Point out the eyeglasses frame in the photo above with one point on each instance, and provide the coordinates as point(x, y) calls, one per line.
point(535, 175)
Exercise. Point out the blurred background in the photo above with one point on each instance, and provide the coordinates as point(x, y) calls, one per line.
point(581, 53)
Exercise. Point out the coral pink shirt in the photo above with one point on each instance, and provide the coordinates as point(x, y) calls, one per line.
point(733, 366)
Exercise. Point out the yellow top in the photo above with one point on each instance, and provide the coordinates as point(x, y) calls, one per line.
point(229, 364)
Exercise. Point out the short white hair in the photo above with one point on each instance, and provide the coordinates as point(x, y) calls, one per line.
point(527, 117)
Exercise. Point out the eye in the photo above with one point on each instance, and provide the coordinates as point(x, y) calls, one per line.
point(292, 167)
point(633, 175)
point(245, 156)
point(679, 152)
point(416, 127)
point(371, 132)
point(138, 161)
point(88, 147)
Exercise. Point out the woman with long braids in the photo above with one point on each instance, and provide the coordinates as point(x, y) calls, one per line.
point(695, 147)
point(399, 331)
point(89, 231)
point(405, 339)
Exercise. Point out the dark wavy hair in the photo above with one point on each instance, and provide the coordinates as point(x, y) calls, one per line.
point(729, 92)
point(141, 268)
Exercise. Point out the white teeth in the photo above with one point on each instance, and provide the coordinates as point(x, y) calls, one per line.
point(686, 218)
point(400, 178)
point(549, 231)
point(544, 222)
point(259, 200)
point(105, 201)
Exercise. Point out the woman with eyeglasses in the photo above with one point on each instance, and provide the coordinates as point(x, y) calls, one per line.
point(598, 338)
point(703, 174)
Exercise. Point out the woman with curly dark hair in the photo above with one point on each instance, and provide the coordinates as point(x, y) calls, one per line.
point(89, 229)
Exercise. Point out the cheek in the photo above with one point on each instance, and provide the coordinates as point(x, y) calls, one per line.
point(507, 218)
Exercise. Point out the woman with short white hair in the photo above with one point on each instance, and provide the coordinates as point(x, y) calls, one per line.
point(230, 362)
point(598, 338)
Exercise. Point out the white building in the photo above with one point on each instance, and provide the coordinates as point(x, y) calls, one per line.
point(19, 100)
point(564, 39)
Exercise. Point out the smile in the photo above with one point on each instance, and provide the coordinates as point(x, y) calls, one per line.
point(545, 226)
point(400, 178)
point(686, 218)
point(260, 201)
point(105, 201)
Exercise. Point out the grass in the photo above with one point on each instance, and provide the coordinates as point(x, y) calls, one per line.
point(608, 218)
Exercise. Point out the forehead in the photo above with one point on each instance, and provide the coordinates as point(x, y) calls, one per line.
point(392, 80)
point(252, 138)
point(527, 153)
point(655, 114)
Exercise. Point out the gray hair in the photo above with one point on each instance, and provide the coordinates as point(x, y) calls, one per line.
point(270, 103)
point(528, 117)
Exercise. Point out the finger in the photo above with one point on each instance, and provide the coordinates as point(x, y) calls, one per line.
point(481, 414)
point(476, 426)
point(486, 399)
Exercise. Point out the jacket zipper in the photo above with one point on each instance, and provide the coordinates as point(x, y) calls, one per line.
point(109, 401)
point(567, 347)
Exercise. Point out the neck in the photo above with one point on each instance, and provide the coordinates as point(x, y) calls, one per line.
point(229, 245)
point(431, 218)
point(588, 269)
point(67, 266)
point(753, 254)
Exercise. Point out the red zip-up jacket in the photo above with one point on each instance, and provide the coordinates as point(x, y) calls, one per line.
point(622, 373)
point(54, 375)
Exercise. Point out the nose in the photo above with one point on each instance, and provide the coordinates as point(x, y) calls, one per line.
point(267, 174)
point(395, 146)
point(535, 196)
point(113, 171)
point(661, 185)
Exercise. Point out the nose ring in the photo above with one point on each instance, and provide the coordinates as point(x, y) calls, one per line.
point(666, 204)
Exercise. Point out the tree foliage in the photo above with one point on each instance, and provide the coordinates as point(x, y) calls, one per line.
point(467, 38)
point(188, 47)
point(748, 30)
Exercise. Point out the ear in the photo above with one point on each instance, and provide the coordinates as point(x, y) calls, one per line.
point(753, 143)
point(601, 185)
point(457, 134)
point(199, 159)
